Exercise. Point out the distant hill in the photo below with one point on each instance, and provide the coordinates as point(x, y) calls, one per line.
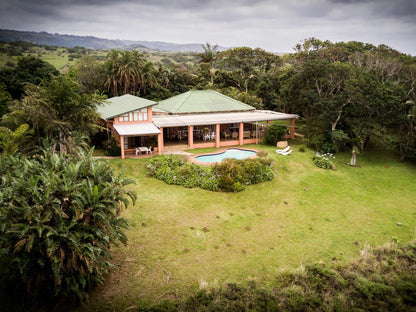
point(89, 42)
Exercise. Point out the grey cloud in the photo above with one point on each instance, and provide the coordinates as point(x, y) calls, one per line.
point(269, 24)
point(385, 8)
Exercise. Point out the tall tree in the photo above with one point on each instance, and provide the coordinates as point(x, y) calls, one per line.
point(56, 109)
point(29, 69)
point(91, 74)
point(209, 56)
point(124, 71)
point(147, 77)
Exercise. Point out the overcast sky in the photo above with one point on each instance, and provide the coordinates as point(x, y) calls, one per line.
point(273, 25)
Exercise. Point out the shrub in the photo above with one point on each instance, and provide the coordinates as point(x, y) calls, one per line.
point(59, 215)
point(111, 148)
point(327, 147)
point(275, 133)
point(230, 175)
point(258, 170)
point(323, 161)
point(302, 148)
point(262, 154)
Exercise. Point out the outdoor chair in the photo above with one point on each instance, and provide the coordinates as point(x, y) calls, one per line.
point(235, 135)
point(283, 151)
point(226, 134)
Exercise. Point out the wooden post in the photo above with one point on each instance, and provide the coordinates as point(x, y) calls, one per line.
point(122, 146)
point(217, 135)
point(292, 128)
point(241, 134)
point(160, 141)
point(191, 136)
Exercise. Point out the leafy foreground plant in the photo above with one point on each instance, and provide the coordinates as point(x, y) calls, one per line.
point(230, 175)
point(58, 218)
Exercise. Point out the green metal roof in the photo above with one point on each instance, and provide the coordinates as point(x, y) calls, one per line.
point(201, 101)
point(120, 105)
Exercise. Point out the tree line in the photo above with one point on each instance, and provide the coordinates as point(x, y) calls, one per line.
point(347, 94)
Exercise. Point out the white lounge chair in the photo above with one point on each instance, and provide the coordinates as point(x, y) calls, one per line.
point(285, 150)
point(286, 153)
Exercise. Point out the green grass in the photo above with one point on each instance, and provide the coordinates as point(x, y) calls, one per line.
point(183, 239)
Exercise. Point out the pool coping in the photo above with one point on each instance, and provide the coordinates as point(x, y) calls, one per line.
point(192, 158)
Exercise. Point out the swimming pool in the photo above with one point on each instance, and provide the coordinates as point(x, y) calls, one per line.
point(235, 153)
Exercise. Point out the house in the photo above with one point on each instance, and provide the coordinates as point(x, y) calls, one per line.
point(129, 119)
point(197, 119)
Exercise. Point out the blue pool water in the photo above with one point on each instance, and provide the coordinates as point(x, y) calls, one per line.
point(229, 153)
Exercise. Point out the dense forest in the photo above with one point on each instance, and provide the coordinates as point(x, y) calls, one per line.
point(348, 95)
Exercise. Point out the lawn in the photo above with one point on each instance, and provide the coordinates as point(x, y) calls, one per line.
point(183, 239)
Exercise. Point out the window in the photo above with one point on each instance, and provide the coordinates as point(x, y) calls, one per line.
point(143, 112)
point(123, 117)
point(139, 115)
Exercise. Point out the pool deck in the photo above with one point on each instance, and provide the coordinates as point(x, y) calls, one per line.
point(192, 158)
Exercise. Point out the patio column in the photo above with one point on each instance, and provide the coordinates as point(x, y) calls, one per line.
point(191, 136)
point(292, 128)
point(241, 134)
point(160, 141)
point(217, 135)
point(122, 146)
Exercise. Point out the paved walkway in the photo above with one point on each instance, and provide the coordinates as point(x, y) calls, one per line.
point(176, 149)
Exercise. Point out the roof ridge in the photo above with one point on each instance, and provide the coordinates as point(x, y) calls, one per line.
point(229, 97)
point(185, 95)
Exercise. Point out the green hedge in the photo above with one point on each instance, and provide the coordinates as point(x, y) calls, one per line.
point(230, 175)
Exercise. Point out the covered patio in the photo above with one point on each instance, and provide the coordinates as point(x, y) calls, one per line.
point(217, 129)
point(137, 139)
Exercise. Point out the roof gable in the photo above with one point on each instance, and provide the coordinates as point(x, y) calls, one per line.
point(121, 105)
point(201, 101)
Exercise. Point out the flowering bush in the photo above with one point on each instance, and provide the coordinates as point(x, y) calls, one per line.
point(230, 175)
point(324, 161)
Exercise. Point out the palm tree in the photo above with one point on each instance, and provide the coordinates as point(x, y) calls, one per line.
point(130, 70)
point(147, 77)
point(209, 56)
point(124, 71)
point(113, 82)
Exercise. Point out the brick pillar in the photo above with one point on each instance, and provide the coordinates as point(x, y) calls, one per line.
point(122, 146)
point(160, 141)
point(241, 134)
point(191, 136)
point(217, 135)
